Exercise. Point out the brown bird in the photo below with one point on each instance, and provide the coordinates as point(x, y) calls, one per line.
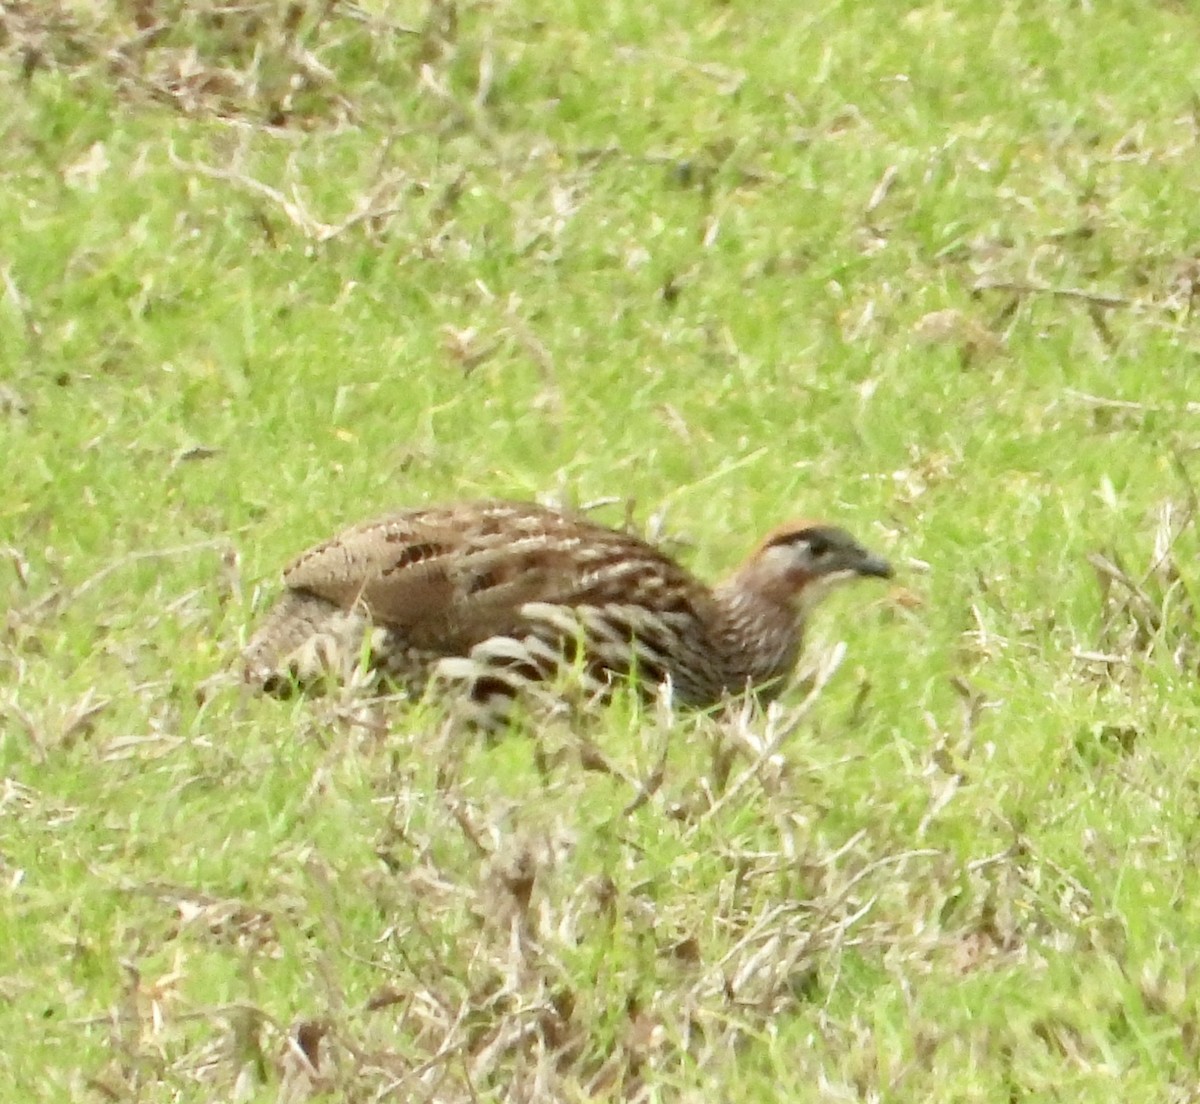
point(496, 598)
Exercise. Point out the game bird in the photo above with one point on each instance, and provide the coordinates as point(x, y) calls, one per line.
point(498, 599)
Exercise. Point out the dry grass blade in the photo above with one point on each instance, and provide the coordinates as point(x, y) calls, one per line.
point(372, 208)
point(781, 726)
point(56, 599)
point(1142, 613)
point(1095, 298)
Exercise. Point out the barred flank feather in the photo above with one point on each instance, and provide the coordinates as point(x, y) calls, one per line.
point(495, 599)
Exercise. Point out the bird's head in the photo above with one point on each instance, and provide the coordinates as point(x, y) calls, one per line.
point(798, 563)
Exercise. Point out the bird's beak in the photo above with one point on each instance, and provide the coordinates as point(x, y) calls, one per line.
point(875, 566)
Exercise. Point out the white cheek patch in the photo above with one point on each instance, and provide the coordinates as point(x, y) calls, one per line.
point(817, 589)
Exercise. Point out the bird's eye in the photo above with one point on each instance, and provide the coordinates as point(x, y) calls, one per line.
point(818, 546)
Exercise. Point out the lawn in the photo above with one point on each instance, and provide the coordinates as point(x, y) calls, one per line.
point(929, 271)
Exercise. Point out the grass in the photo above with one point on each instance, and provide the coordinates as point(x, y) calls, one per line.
point(930, 272)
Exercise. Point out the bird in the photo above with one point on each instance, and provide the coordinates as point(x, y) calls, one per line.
point(495, 599)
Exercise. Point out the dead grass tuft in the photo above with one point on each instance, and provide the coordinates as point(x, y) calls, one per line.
point(254, 61)
point(1149, 613)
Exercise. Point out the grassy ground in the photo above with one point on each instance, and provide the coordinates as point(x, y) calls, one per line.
point(927, 270)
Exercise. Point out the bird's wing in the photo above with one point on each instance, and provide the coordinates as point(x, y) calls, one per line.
point(448, 577)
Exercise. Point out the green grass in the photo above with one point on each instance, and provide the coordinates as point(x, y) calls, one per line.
point(928, 271)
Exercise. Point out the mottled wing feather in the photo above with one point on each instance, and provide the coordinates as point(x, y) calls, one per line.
point(338, 569)
point(448, 578)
